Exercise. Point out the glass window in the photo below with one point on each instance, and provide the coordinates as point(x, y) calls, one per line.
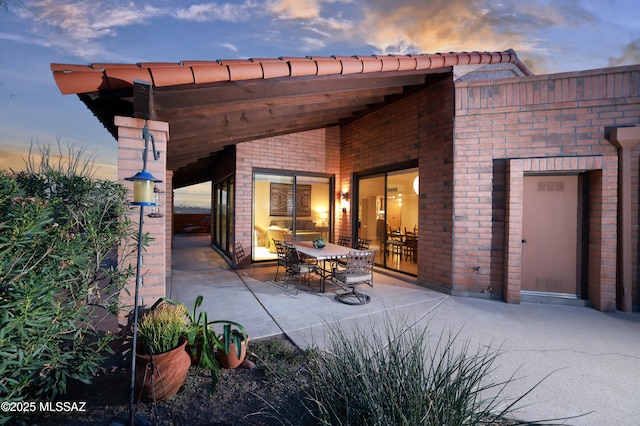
point(223, 215)
point(388, 215)
point(288, 207)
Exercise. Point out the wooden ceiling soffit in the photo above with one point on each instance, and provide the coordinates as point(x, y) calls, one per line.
point(239, 119)
point(193, 148)
point(196, 173)
point(353, 97)
point(241, 131)
point(177, 97)
point(106, 107)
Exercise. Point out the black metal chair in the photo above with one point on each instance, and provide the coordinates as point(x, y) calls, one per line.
point(344, 240)
point(358, 270)
point(238, 254)
point(283, 258)
point(363, 244)
point(297, 267)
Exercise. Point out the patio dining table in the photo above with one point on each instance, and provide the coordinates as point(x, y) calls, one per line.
point(329, 252)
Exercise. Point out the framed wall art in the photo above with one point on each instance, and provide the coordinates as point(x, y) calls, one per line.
point(282, 200)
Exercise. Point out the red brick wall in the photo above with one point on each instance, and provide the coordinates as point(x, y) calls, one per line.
point(417, 127)
point(312, 151)
point(561, 115)
point(156, 261)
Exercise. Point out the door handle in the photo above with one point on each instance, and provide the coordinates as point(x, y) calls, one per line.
point(524, 241)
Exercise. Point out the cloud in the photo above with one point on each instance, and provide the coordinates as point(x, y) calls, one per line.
point(206, 12)
point(630, 55)
point(311, 44)
point(294, 9)
point(80, 27)
point(415, 26)
point(229, 46)
point(84, 21)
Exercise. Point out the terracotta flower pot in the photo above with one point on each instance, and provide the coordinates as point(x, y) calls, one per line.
point(159, 377)
point(195, 350)
point(230, 360)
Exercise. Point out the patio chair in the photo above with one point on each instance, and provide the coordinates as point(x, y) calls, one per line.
point(297, 267)
point(283, 258)
point(358, 270)
point(363, 244)
point(344, 240)
point(238, 254)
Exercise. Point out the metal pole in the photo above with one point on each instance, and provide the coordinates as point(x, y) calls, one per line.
point(135, 323)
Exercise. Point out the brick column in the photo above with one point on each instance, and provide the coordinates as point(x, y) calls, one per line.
point(625, 139)
point(130, 161)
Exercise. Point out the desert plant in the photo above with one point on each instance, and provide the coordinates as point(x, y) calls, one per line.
point(401, 376)
point(202, 340)
point(319, 242)
point(160, 329)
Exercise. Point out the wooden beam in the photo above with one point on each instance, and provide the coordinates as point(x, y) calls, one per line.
point(143, 104)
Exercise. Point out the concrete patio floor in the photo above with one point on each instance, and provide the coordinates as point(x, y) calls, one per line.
point(593, 358)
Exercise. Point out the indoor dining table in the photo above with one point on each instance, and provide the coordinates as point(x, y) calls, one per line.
point(328, 253)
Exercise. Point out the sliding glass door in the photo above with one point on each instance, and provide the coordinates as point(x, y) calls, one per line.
point(289, 207)
point(388, 216)
point(223, 215)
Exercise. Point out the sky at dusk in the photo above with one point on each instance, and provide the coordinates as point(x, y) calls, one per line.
point(548, 36)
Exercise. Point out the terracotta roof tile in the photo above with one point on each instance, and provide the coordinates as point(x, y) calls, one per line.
point(370, 64)
point(272, 69)
point(72, 79)
point(437, 60)
point(406, 63)
point(235, 61)
point(423, 62)
point(103, 76)
point(70, 67)
point(451, 59)
point(102, 66)
point(389, 63)
point(474, 58)
point(157, 64)
point(209, 73)
point(198, 63)
point(244, 71)
point(328, 66)
point(123, 77)
point(302, 66)
point(171, 76)
point(350, 65)
point(463, 59)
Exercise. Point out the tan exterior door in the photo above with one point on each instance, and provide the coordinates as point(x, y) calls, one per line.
point(550, 233)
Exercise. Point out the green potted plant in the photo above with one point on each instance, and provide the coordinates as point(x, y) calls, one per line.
point(319, 242)
point(161, 360)
point(205, 347)
point(232, 343)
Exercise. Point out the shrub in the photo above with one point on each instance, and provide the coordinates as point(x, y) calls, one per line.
point(401, 376)
point(59, 275)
